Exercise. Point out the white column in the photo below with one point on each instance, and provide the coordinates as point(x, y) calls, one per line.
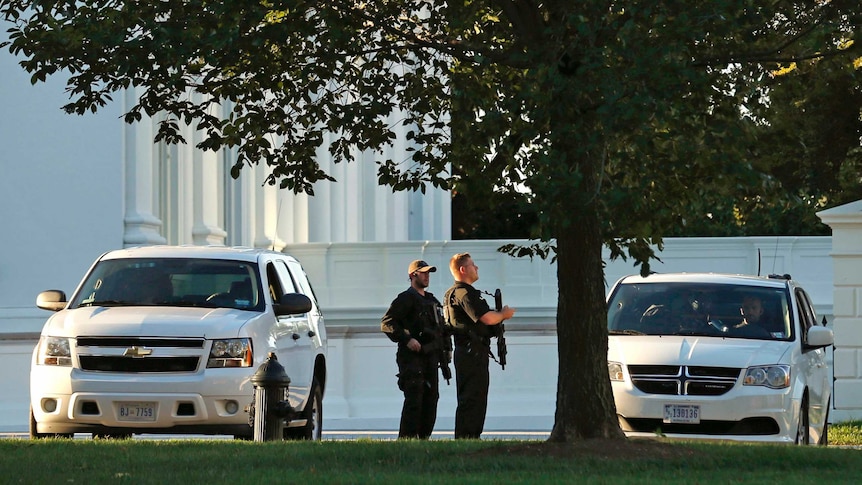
point(206, 229)
point(846, 224)
point(438, 225)
point(350, 201)
point(266, 212)
point(321, 212)
point(207, 196)
point(141, 223)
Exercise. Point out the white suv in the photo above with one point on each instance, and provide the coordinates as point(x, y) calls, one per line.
point(718, 356)
point(165, 339)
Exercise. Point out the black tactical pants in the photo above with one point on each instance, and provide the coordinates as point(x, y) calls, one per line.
point(418, 380)
point(471, 379)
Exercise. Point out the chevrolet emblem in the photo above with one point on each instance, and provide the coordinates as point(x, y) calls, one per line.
point(137, 352)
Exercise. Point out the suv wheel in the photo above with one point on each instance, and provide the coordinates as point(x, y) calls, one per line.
point(313, 413)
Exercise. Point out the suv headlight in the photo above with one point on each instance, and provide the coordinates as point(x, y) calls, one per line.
point(232, 352)
point(772, 376)
point(615, 369)
point(54, 351)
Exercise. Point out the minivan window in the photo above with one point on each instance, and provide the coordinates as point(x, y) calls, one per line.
point(699, 309)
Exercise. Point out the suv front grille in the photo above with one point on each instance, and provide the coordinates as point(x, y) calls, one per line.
point(185, 343)
point(683, 380)
point(149, 364)
point(101, 354)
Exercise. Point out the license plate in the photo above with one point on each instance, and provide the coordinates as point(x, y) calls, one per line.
point(682, 413)
point(136, 411)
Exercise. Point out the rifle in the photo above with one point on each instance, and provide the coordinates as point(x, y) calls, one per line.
point(445, 353)
point(500, 331)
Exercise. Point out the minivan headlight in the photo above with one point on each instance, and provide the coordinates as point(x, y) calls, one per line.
point(772, 376)
point(54, 351)
point(615, 369)
point(232, 352)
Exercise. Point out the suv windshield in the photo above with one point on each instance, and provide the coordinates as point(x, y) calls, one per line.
point(700, 309)
point(172, 282)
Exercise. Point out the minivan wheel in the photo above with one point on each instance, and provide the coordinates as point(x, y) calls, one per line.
point(802, 428)
point(824, 436)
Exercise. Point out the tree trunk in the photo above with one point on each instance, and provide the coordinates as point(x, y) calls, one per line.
point(585, 402)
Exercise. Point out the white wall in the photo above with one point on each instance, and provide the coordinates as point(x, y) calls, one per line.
point(355, 281)
point(846, 224)
point(61, 186)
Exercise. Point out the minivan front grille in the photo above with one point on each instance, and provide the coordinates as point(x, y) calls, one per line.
point(683, 380)
point(141, 354)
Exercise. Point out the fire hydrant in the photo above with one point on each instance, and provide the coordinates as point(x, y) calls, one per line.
point(270, 406)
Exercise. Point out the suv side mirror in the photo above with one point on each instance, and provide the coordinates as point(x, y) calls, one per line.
point(292, 304)
point(54, 300)
point(819, 337)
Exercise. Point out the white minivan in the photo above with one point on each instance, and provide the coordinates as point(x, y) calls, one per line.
point(718, 356)
point(165, 339)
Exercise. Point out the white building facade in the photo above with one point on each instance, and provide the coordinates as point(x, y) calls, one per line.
point(74, 187)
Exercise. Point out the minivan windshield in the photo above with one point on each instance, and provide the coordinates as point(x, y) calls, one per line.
point(172, 282)
point(700, 309)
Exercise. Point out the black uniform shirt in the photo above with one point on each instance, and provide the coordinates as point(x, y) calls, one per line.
point(408, 315)
point(468, 307)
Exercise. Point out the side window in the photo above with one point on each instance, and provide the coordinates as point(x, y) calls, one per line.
point(273, 282)
point(806, 312)
point(284, 276)
point(301, 280)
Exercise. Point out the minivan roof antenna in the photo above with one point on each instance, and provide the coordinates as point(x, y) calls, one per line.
point(775, 254)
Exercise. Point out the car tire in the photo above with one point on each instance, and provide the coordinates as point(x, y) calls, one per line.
point(313, 414)
point(802, 435)
point(35, 435)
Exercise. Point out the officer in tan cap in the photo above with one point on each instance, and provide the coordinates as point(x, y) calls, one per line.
point(414, 322)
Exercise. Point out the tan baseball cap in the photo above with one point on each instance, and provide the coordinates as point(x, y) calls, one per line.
point(421, 267)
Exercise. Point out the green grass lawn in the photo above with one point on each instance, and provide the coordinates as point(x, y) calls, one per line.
point(436, 461)
point(846, 433)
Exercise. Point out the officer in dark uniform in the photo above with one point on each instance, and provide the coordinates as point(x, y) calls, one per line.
point(469, 316)
point(414, 321)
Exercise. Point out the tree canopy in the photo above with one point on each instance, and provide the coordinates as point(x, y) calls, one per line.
point(616, 121)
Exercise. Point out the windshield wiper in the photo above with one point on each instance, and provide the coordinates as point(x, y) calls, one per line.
point(627, 331)
point(108, 303)
point(190, 303)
